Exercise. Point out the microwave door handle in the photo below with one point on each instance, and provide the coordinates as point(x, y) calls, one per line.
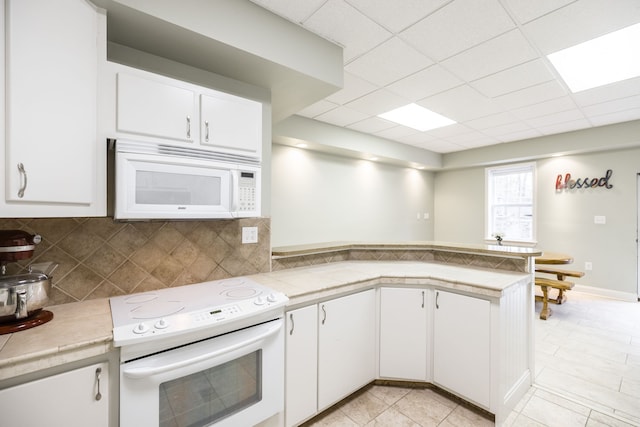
point(235, 191)
point(148, 371)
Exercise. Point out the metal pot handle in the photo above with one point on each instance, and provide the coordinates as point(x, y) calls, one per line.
point(21, 307)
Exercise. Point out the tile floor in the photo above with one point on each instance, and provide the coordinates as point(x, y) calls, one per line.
point(587, 374)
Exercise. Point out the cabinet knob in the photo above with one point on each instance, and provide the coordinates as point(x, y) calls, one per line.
point(98, 372)
point(188, 127)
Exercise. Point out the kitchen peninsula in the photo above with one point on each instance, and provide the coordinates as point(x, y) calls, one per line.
point(494, 280)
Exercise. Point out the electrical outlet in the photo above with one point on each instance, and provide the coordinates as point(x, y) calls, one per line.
point(588, 266)
point(249, 235)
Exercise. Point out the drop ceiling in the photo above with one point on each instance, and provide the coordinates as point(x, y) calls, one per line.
point(481, 63)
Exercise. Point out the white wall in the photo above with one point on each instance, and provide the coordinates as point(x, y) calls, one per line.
point(318, 197)
point(565, 218)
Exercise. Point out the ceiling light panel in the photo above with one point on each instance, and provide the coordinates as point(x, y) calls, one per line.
point(607, 59)
point(417, 117)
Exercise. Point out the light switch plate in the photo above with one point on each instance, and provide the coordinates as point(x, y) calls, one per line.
point(599, 219)
point(249, 235)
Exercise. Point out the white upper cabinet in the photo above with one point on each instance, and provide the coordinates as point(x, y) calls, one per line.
point(153, 108)
point(52, 58)
point(230, 123)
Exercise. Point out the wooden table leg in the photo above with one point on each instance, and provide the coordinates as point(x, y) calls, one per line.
point(546, 311)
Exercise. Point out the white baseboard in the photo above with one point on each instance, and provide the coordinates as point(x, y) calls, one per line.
point(607, 293)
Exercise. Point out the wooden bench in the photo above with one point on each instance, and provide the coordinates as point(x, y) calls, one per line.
point(545, 284)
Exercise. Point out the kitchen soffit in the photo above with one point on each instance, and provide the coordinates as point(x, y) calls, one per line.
point(481, 63)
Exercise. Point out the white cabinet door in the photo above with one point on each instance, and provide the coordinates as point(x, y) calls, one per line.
point(462, 346)
point(346, 349)
point(51, 97)
point(154, 108)
point(403, 334)
point(67, 399)
point(301, 376)
point(230, 123)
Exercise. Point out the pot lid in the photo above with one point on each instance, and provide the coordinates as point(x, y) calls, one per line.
point(21, 279)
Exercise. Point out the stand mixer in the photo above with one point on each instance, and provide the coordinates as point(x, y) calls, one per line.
point(22, 296)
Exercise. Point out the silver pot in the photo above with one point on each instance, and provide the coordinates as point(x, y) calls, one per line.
point(22, 295)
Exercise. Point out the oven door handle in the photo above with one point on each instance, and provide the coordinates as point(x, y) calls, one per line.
point(148, 371)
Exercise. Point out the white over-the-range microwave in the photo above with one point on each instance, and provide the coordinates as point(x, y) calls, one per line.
point(162, 181)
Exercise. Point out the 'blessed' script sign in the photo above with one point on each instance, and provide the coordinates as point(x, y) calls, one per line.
point(569, 183)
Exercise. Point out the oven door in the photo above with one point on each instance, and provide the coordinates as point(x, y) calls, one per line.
point(236, 379)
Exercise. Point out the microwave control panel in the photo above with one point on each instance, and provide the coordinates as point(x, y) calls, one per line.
point(247, 189)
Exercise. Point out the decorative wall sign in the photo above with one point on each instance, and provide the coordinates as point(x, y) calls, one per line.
point(569, 184)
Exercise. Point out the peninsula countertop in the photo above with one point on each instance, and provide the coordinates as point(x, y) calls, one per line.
point(84, 329)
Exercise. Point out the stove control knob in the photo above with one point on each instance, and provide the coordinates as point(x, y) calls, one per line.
point(140, 328)
point(272, 298)
point(260, 301)
point(161, 324)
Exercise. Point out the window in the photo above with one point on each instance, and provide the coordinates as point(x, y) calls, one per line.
point(510, 203)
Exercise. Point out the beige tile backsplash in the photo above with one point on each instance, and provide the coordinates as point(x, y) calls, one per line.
point(99, 257)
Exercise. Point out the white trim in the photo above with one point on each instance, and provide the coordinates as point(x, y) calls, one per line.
point(607, 293)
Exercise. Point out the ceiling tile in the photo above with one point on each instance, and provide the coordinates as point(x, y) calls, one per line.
point(343, 24)
point(522, 134)
point(506, 129)
point(449, 131)
point(564, 127)
point(372, 125)
point(493, 120)
point(615, 106)
point(427, 82)
point(497, 54)
point(440, 146)
point(617, 117)
point(396, 132)
point(391, 61)
point(377, 102)
point(461, 103)
point(458, 26)
point(354, 87)
point(543, 108)
point(397, 15)
point(341, 116)
point(581, 21)
point(532, 95)
point(527, 10)
point(608, 93)
point(316, 109)
point(552, 119)
point(519, 77)
point(473, 139)
point(296, 11)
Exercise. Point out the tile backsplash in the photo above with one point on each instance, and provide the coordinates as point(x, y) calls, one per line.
point(99, 257)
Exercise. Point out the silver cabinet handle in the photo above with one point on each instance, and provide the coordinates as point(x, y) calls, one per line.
point(206, 131)
point(437, 295)
point(292, 323)
point(23, 185)
point(324, 312)
point(98, 372)
point(422, 299)
point(188, 127)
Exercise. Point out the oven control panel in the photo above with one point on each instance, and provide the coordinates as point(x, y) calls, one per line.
point(141, 327)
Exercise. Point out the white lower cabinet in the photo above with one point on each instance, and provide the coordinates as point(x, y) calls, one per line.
point(403, 334)
point(462, 346)
point(72, 399)
point(347, 344)
point(301, 377)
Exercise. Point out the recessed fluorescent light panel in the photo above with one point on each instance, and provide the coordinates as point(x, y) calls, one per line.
point(603, 60)
point(416, 117)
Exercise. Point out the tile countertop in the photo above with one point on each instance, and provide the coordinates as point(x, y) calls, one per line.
point(84, 329)
point(287, 251)
point(77, 331)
